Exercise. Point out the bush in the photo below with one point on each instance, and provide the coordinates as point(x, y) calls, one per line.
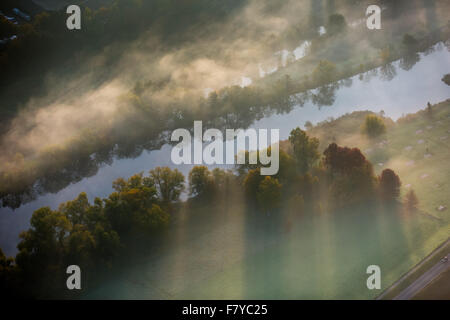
point(373, 126)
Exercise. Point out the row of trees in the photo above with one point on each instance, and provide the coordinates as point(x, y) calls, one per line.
point(140, 209)
point(231, 107)
point(90, 235)
point(340, 178)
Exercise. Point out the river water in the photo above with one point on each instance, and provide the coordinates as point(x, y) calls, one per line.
point(397, 90)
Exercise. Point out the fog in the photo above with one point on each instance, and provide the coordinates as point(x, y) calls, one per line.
point(148, 78)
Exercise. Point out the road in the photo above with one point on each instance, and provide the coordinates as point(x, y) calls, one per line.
point(424, 280)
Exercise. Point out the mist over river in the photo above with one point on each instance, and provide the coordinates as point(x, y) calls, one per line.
point(395, 91)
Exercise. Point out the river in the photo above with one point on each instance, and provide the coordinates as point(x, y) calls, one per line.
point(399, 89)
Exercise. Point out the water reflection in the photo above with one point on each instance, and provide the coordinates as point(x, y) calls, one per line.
point(398, 88)
point(388, 72)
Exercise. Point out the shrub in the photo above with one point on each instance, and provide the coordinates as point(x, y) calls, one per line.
point(373, 126)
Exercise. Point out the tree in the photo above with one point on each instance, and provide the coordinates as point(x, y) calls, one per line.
point(352, 177)
point(76, 210)
point(169, 183)
point(411, 201)
point(342, 160)
point(409, 42)
point(201, 181)
point(325, 72)
point(389, 183)
point(133, 210)
point(305, 150)
point(373, 126)
point(7, 277)
point(42, 252)
point(287, 167)
point(80, 246)
point(45, 240)
point(269, 194)
point(222, 178)
point(251, 183)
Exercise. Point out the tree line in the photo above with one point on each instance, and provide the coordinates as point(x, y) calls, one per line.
point(96, 236)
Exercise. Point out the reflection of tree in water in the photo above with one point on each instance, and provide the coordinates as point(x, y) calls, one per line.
point(325, 95)
point(409, 61)
point(301, 98)
point(347, 82)
point(429, 50)
point(236, 109)
point(388, 72)
point(369, 75)
point(150, 130)
point(440, 46)
point(447, 44)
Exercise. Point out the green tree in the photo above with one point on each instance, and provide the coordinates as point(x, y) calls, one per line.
point(389, 184)
point(223, 179)
point(325, 72)
point(133, 210)
point(76, 210)
point(305, 150)
point(352, 177)
point(45, 241)
point(42, 252)
point(251, 183)
point(373, 126)
point(80, 247)
point(201, 181)
point(269, 194)
point(169, 183)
